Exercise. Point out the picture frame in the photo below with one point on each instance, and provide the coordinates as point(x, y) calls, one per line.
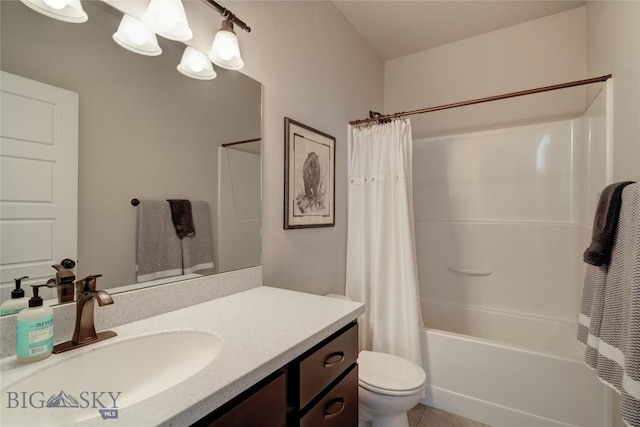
point(309, 177)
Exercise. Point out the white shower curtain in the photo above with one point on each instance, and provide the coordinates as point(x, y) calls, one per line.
point(381, 255)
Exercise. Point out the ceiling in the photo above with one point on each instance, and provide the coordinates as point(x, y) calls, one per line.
point(396, 28)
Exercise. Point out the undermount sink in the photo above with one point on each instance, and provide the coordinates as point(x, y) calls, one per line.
point(101, 381)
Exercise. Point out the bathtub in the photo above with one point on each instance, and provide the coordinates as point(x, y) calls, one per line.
point(509, 370)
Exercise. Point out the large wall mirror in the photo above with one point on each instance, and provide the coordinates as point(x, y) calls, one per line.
point(145, 131)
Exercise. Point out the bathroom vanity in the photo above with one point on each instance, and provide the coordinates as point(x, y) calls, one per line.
point(289, 356)
point(319, 388)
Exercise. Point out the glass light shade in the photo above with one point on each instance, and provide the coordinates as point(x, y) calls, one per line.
point(133, 35)
point(62, 10)
point(225, 51)
point(196, 65)
point(167, 19)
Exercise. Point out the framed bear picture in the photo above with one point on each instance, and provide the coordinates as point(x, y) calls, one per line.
point(309, 177)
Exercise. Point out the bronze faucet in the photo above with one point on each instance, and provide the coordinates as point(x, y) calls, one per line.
point(64, 281)
point(85, 330)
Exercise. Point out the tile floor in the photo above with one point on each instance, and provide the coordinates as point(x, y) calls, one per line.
point(425, 416)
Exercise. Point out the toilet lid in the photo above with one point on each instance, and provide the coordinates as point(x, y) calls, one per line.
point(389, 374)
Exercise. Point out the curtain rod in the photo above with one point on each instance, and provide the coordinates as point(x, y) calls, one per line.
point(481, 100)
point(228, 144)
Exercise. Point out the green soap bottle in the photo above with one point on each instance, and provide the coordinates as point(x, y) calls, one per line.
point(18, 302)
point(35, 330)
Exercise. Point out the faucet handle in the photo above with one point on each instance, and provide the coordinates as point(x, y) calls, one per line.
point(68, 263)
point(88, 283)
point(63, 275)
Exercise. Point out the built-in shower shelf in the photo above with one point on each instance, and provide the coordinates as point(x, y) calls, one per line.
point(470, 271)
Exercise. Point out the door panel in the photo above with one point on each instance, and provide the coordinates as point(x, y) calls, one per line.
point(38, 180)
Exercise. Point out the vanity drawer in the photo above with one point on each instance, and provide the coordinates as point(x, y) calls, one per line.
point(264, 405)
point(324, 365)
point(339, 408)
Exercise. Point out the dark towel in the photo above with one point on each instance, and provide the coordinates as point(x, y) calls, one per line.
point(605, 224)
point(182, 217)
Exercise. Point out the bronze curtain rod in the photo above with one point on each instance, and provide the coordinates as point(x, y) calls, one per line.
point(481, 100)
point(229, 144)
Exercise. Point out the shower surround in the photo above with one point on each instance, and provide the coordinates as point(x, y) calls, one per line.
point(502, 218)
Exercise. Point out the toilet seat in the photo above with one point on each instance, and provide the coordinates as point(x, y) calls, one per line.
point(389, 374)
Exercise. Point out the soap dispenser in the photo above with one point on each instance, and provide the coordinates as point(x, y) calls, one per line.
point(35, 330)
point(17, 301)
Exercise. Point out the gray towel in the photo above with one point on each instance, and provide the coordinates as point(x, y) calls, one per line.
point(197, 250)
point(182, 217)
point(159, 252)
point(609, 322)
point(605, 224)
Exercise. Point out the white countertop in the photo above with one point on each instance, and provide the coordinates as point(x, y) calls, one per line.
point(261, 330)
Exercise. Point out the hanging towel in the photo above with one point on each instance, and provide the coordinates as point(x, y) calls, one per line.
point(605, 224)
point(609, 322)
point(197, 250)
point(182, 217)
point(158, 249)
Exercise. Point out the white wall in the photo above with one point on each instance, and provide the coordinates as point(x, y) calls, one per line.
point(542, 52)
point(613, 40)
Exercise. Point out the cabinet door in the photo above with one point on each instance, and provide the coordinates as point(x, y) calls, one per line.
point(265, 407)
point(323, 366)
point(339, 408)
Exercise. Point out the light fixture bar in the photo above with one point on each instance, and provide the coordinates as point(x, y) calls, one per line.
point(226, 13)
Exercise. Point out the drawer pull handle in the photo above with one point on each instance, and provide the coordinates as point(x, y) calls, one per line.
point(333, 408)
point(333, 359)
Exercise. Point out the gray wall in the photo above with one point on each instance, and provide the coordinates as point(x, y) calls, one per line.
point(316, 69)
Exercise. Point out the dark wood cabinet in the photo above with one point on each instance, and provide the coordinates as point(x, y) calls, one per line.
point(263, 405)
point(319, 368)
point(319, 388)
point(338, 407)
point(323, 382)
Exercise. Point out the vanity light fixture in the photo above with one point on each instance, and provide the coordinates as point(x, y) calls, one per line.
point(225, 51)
point(168, 19)
point(196, 65)
point(134, 35)
point(62, 10)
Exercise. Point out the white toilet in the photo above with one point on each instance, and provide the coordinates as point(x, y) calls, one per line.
point(389, 386)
